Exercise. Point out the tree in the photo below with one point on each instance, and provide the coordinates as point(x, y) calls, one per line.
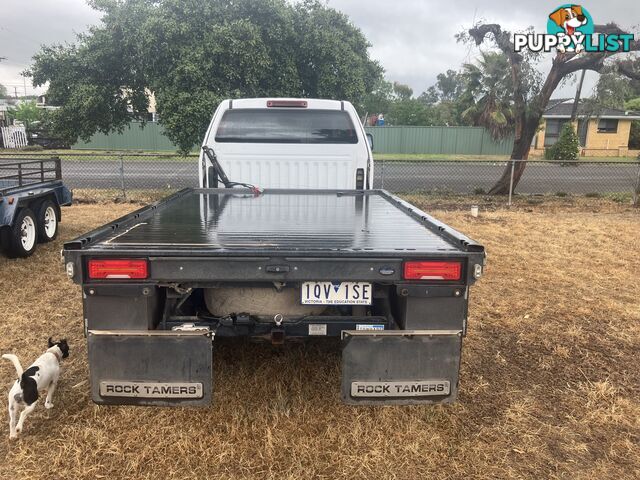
point(528, 110)
point(396, 101)
point(444, 99)
point(614, 89)
point(26, 112)
point(379, 99)
point(430, 96)
point(453, 98)
point(402, 91)
point(489, 84)
point(3, 91)
point(192, 55)
point(444, 102)
point(450, 85)
point(617, 90)
point(409, 111)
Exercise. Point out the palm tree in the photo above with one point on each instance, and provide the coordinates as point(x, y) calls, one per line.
point(489, 87)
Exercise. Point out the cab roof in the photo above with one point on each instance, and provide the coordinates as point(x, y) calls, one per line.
point(280, 102)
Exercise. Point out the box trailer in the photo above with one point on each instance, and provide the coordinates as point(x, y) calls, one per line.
point(31, 194)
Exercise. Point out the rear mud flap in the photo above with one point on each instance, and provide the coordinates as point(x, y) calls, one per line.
point(150, 368)
point(400, 367)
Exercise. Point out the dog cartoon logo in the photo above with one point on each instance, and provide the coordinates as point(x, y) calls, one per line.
point(570, 28)
point(572, 21)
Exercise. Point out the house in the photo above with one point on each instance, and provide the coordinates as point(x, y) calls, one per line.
point(152, 115)
point(605, 134)
point(5, 105)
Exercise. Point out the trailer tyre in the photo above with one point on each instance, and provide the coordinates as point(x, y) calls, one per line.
point(23, 235)
point(5, 232)
point(48, 219)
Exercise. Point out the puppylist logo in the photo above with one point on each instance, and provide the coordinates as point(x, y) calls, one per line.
point(570, 28)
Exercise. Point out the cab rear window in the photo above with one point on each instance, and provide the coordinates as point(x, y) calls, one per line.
point(286, 126)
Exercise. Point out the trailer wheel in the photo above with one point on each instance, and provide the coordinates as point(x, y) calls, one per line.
point(47, 216)
point(4, 239)
point(23, 235)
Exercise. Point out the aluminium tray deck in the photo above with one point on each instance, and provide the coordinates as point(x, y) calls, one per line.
point(234, 220)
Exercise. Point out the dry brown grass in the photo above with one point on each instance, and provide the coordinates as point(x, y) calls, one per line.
point(550, 380)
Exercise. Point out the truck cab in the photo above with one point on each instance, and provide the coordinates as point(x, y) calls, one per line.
point(289, 143)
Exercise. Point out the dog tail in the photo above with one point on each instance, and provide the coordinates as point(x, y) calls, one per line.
point(16, 363)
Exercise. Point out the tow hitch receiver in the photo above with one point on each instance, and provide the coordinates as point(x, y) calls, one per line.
point(400, 367)
point(158, 368)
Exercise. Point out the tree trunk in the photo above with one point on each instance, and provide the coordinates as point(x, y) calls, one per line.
point(520, 152)
point(526, 128)
point(576, 100)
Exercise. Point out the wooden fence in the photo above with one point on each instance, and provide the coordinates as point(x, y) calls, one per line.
point(14, 137)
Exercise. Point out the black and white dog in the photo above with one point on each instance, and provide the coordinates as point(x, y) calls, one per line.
point(43, 374)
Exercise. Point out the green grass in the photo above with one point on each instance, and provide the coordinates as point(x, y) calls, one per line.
point(97, 154)
point(415, 157)
point(173, 156)
point(434, 156)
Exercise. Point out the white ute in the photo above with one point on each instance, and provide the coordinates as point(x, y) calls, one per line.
point(289, 143)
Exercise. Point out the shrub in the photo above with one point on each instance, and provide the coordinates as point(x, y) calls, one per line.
point(620, 197)
point(567, 147)
point(32, 148)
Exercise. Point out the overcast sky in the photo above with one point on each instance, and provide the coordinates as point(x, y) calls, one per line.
point(412, 39)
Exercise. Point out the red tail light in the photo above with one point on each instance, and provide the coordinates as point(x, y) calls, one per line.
point(118, 268)
point(432, 270)
point(287, 103)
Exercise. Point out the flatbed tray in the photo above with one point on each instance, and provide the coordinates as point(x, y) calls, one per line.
point(240, 222)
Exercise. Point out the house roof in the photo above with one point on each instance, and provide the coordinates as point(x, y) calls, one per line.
point(561, 108)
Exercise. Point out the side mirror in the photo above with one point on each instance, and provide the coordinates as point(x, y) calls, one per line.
point(370, 140)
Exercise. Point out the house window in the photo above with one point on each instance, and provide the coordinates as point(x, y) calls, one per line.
point(552, 130)
point(608, 125)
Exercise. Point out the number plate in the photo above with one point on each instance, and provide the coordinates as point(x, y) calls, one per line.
point(336, 293)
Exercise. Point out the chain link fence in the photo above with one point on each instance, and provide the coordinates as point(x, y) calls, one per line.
point(126, 172)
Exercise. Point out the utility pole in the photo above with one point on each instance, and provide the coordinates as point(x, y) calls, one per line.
point(15, 91)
